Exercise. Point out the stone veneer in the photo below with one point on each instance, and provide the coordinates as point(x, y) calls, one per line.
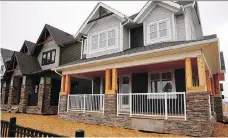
point(199, 121)
point(218, 108)
point(13, 95)
point(25, 89)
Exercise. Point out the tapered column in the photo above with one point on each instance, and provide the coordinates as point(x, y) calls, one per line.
point(188, 73)
point(68, 84)
point(63, 83)
point(201, 72)
point(109, 81)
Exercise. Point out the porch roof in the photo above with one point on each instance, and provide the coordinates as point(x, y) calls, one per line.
point(135, 50)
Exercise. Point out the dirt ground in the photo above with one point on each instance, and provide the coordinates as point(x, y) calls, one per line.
point(67, 128)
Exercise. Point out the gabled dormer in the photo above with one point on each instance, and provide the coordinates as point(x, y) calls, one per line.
point(102, 33)
point(48, 45)
point(27, 47)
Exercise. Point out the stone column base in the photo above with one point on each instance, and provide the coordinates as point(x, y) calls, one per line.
point(218, 108)
point(62, 103)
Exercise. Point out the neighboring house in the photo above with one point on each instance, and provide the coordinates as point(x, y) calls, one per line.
point(34, 88)
point(5, 57)
point(151, 71)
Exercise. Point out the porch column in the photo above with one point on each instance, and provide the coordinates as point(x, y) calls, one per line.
point(110, 103)
point(26, 87)
point(201, 74)
point(208, 82)
point(65, 90)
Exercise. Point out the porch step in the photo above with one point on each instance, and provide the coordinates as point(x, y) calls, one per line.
point(13, 109)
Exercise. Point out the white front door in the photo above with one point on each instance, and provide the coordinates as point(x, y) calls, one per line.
point(125, 89)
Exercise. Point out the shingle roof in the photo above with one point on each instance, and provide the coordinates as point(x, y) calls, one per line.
point(139, 49)
point(59, 36)
point(30, 45)
point(223, 67)
point(6, 54)
point(28, 64)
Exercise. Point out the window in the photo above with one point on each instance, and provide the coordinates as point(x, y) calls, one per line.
point(158, 31)
point(103, 40)
point(111, 38)
point(48, 57)
point(94, 42)
point(161, 82)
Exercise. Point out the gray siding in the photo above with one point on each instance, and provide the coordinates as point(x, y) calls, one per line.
point(158, 13)
point(102, 25)
point(47, 47)
point(125, 38)
point(70, 53)
point(180, 28)
point(137, 37)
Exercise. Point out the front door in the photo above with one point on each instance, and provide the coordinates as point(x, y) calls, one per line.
point(125, 89)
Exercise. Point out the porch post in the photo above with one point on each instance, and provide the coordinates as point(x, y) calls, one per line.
point(188, 74)
point(209, 89)
point(68, 84)
point(201, 72)
point(63, 83)
point(63, 95)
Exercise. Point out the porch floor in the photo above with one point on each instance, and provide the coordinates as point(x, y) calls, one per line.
point(64, 127)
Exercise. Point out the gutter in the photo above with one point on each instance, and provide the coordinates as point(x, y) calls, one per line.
point(58, 73)
point(143, 52)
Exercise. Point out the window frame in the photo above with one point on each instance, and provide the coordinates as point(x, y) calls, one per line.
point(158, 39)
point(107, 47)
point(45, 60)
point(160, 81)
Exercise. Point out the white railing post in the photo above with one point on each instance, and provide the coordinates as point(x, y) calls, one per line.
point(68, 99)
point(185, 115)
point(117, 110)
point(84, 104)
point(103, 102)
point(166, 112)
point(130, 104)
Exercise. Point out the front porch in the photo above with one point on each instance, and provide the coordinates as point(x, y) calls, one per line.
point(174, 92)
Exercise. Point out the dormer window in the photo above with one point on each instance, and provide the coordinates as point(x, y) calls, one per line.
point(48, 57)
point(103, 40)
point(158, 31)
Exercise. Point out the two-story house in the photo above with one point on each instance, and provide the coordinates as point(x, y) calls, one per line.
point(152, 71)
point(34, 88)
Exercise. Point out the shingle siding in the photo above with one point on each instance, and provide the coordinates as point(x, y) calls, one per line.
point(158, 13)
point(125, 38)
point(102, 25)
point(70, 53)
point(47, 47)
point(136, 37)
point(180, 28)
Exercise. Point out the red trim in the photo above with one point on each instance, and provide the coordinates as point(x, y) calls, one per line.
point(44, 42)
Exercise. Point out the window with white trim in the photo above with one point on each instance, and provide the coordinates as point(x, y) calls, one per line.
point(161, 82)
point(104, 39)
point(158, 31)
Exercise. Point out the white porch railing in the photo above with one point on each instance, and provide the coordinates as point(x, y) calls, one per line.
point(86, 102)
point(166, 105)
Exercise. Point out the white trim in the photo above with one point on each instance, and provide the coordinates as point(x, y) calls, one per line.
point(160, 75)
point(121, 37)
point(101, 85)
point(92, 86)
point(189, 45)
point(100, 4)
point(174, 27)
point(158, 39)
point(207, 66)
point(92, 51)
point(176, 7)
point(121, 88)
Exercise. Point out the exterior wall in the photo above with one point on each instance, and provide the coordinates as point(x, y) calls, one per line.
point(102, 25)
point(180, 28)
point(199, 121)
point(190, 29)
point(70, 53)
point(158, 13)
point(137, 37)
point(218, 108)
point(47, 47)
point(125, 38)
point(5, 94)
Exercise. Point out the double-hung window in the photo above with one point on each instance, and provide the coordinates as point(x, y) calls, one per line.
point(158, 31)
point(103, 40)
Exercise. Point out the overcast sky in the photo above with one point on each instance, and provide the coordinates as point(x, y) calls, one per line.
point(25, 20)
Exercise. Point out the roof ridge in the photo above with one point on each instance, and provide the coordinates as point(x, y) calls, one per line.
point(48, 25)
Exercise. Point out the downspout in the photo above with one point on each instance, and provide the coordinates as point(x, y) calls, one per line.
point(58, 73)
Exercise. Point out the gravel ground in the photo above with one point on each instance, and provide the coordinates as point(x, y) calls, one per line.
point(221, 130)
point(67, 128)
